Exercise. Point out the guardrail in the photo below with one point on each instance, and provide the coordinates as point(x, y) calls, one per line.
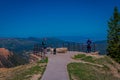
point(72, 46)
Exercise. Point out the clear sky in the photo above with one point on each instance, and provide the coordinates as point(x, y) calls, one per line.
point(40, 18)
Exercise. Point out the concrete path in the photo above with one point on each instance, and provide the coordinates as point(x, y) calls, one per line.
point(57, 66)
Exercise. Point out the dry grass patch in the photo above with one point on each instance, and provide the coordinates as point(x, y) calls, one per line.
point(87, 68)
point(24, 72)
point(81, 71)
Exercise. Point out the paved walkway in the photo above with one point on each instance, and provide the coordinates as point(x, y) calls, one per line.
point(57, 66)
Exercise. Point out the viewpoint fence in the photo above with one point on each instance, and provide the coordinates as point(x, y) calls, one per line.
point(72, 46)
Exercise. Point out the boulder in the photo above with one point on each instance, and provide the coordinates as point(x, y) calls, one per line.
point(5, 54)
point(61, 50)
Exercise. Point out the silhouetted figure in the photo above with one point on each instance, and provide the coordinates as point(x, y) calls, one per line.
point(54, 51)
point(43, 45)
point(89, 45)
point(44, 50)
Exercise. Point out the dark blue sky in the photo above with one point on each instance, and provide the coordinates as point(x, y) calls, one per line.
point(39, 18)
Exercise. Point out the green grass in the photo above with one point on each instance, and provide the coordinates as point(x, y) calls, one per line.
point(28, 73)
point(84, 71)
point(84, 57)
point(79, 56)
point(88, 59)
point(38, 68)
point(91, 59)
point(43, 61)
point(104, 60)
point(81, 71)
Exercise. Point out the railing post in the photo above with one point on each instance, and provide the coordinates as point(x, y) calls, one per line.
point(82, 47)
point(94, 47)
point(78, 46)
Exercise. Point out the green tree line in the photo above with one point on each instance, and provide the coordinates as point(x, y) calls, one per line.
point(113, 38)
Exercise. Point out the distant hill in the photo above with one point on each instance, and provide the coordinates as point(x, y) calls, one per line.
point(78, 39)
point(20, 45)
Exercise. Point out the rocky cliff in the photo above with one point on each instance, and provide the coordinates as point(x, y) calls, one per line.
point(4, 58)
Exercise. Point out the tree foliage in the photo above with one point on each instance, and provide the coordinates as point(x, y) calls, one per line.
point(113, 48)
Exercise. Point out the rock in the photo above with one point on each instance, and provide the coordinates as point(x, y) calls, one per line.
point(61, 50)
point(5, 52)
point(58, 50)
point(4, 58)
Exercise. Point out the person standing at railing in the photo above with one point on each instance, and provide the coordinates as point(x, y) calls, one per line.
point(89, 42)
point(44, 51)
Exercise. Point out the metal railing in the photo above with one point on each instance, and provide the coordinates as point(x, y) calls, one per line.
point(72, 46)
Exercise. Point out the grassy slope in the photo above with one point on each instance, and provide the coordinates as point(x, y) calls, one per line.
point(24, 72)
point(84, 71)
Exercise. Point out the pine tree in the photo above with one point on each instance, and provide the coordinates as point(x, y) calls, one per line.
point(113, 48)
